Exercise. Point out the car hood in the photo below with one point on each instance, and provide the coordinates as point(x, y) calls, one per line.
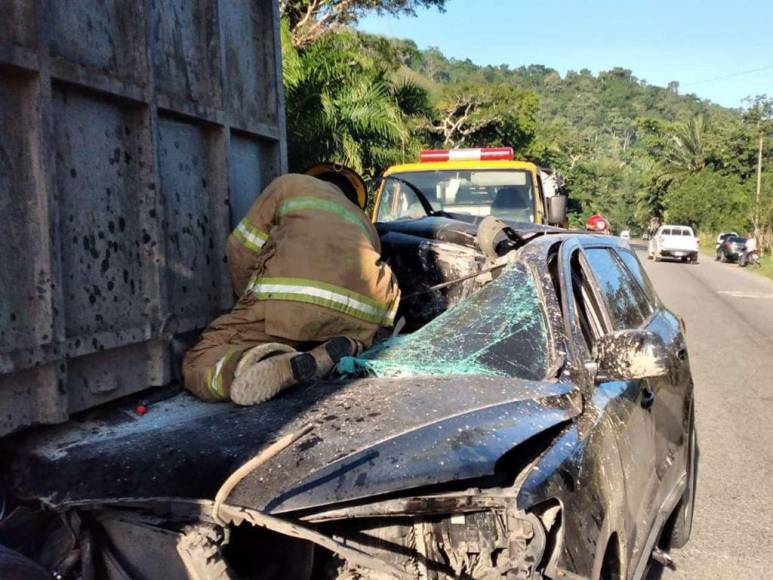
point(367, 437)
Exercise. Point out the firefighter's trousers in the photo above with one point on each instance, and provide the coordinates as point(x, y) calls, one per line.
point(208, 367)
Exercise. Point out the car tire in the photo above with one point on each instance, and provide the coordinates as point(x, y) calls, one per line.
point(680, 526)
point(717, 257)
point(723, 258)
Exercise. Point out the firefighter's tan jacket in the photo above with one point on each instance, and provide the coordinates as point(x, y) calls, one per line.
point(313, 258)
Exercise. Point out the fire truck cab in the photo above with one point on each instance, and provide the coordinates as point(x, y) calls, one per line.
point(468, 184)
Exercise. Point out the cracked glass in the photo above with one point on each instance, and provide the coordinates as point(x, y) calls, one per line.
point(501, 330)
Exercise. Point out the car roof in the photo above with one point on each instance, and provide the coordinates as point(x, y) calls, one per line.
point(675, 226)
point(553, 235)
point(455, 165)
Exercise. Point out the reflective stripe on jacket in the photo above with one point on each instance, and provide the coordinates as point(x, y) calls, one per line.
point(314, 254)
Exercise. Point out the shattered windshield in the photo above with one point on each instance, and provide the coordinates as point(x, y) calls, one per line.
point(501, 330)
point(505, 193)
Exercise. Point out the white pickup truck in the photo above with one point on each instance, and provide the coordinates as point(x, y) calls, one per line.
point(678, 242)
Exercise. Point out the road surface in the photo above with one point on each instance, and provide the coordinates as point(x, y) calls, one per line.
point(729, 317)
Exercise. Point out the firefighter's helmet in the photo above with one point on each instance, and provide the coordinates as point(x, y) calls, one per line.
point(346, 179)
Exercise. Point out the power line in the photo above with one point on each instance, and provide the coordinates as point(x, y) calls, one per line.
point(730, 76)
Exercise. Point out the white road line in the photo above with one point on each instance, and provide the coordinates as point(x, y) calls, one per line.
point(741, 294)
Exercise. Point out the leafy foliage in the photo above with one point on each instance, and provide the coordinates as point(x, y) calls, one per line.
point(492, 114)
point(309, 20)
point(709, 201)
point(343, 106)
point(627, 149)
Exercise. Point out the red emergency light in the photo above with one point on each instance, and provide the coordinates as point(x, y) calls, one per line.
point(485, 154)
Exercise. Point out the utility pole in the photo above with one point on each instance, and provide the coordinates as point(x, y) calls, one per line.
point(759, 188)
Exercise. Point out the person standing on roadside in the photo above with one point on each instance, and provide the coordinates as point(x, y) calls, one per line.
point(751, 245)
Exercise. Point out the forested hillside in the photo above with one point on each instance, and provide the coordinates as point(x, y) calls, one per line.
point(626, 148)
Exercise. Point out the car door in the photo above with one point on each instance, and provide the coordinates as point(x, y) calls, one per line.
point(622, 309)
point(623, 419)
point(673, 391)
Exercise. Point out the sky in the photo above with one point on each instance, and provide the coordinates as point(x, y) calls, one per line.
point(722, 51)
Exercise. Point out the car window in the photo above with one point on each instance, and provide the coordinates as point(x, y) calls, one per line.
point(398, 201)
point(585, 304)
point(687, 233)
point(618, 287)
point(665, 232)
point(647, 298)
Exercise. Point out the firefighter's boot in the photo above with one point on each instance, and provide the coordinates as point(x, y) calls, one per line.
point(327, 354)
point(267, 369)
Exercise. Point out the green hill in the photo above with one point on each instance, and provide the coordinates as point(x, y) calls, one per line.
point(626, 148)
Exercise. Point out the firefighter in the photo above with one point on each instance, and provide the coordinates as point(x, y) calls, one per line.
point(306, 265)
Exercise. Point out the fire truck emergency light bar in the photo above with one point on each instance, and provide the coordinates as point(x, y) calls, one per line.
point(486, 154)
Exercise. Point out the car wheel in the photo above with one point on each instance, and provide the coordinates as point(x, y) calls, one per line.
point(681, 524)
point(723, 258)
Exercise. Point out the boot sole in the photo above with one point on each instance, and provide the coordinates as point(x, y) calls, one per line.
point(250, 391)
point(338, 348)
point(304, 367)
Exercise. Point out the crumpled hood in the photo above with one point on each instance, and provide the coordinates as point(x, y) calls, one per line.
point(368, 437)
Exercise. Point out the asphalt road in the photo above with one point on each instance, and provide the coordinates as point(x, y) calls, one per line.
point(729, 317)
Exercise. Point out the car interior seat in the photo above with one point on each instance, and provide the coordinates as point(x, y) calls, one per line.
point(513, 201)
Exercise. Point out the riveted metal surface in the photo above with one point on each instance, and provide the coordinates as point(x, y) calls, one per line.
point(17, 24)
point(25, 308)
point(186, 192)
point(246, 52)
point(100, 229)
point(253, 164)
point(126, 125)
point(186, 57)
point(104, 35)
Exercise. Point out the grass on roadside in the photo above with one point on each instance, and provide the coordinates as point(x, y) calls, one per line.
point(767, 266)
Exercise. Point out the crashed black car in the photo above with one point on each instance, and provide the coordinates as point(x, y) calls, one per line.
point(534, 419)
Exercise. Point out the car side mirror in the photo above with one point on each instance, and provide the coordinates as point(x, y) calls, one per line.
point(557, 210)
point(627, 355)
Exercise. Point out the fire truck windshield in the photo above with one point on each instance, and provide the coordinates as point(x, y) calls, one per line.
point(504, 193)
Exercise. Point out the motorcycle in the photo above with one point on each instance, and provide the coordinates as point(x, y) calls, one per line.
point(750, 259)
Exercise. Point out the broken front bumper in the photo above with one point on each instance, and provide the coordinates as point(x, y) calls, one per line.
point(471, 534)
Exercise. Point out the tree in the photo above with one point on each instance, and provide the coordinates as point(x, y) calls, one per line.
point(687, 153)
point(343, 106)
point(709, 201)
point(626, 148)
point(760, 114)
point(485, 115)
point(309, 20)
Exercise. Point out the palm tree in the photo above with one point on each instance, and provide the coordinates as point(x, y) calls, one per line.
point(342, 106)
point(687, 152)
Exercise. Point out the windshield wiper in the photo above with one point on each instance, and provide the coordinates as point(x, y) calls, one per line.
point(425, 204)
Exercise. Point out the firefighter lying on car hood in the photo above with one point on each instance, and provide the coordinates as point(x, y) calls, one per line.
point(306, 264)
